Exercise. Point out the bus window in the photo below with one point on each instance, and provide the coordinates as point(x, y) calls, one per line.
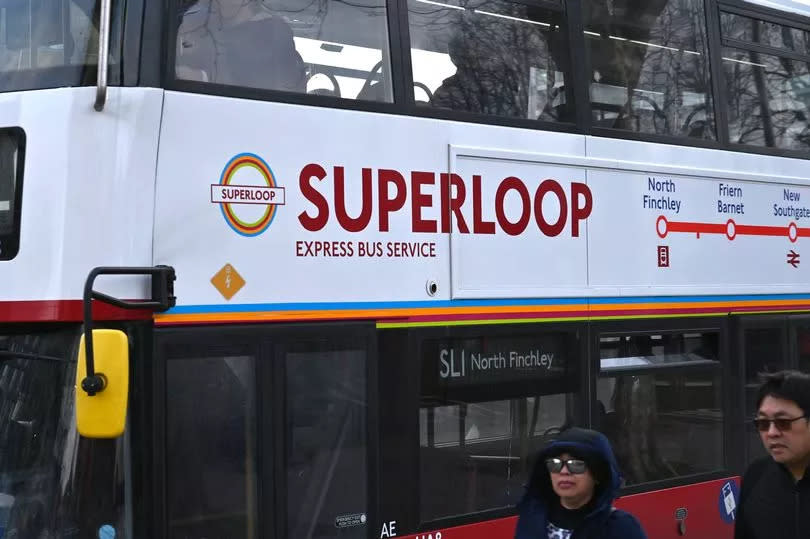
point(741, 28)
point(803, 348)
point(326, 448)
point(768, 94)
point(490, 57)
point(47, 43)
point(662, 401)
point(211, 447)
point(650, 66)
point(54, 483)
point(326, 48)
point(764, 352)
point(487, 405)
point(12, 152)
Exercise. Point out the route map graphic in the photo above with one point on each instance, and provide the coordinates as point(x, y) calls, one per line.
point(730, 229)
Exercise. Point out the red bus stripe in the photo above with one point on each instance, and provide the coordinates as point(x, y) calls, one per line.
point(64, 311)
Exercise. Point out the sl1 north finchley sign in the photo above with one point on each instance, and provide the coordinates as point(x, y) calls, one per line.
point(464, 362)
point(454, 364)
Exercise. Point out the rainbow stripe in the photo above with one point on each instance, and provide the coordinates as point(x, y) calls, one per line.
point(239, 226)
point(468, 312)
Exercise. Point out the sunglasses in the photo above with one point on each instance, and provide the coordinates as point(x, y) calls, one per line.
point(575, 466)
point(782, 423)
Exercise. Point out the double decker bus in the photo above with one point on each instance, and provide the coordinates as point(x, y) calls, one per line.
point(347, 265)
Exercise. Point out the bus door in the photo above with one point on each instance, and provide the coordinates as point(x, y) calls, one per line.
point(264, 432)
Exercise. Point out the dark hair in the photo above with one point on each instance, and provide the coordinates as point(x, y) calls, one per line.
point(788, 385)
point(599, 469)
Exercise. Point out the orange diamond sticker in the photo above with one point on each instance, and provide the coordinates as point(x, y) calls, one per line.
point(227, 281)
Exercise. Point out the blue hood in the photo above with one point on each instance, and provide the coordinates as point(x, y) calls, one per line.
point(602, 521)
point(589, 445)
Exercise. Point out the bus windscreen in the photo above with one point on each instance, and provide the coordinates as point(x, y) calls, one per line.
point(52, 44)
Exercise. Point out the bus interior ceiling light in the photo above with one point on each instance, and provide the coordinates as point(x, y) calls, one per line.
point(440, 4)
point(746, 62)
point(509, 17)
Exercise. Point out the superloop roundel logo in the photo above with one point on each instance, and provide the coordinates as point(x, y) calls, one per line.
point(248, 194)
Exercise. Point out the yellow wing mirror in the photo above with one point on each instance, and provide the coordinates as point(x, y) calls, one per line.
point(101, 399)
point(102, 375)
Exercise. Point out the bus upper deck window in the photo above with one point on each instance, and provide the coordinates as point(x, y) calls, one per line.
point(650, 67)
point(490, 57)
point(766, 78)
point(11, 167)
point(337, 49)
point(53, 44)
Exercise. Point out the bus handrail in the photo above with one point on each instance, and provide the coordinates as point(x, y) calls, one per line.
point(103, 54)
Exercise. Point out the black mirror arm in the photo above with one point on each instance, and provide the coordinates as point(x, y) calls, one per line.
point(162, 299)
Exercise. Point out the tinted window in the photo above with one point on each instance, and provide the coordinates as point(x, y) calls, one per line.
point(477, 456)
point(768, 99)
point(803, 348)
point(650, 68)
point(764, 352)
point(12, 157)
point(490, 57)
point(48, 43)
point(328, 48)
point(737, 27)
point(326, 444)
point(211, 447)
point(664, 417)
point(488, 404)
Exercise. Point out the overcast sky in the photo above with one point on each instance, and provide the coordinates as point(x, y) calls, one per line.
point(798, 6)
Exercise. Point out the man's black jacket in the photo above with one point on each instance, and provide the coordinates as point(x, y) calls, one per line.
point(772, 504)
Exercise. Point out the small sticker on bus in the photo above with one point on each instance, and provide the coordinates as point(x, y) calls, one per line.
point(227, 281)
point(347, 521)
point(729, 494)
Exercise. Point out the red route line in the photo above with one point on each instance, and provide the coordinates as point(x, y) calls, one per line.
point(761, 230)
point(730, 229)
point(697, 228)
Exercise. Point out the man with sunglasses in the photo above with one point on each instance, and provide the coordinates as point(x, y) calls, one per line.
point(571, 492)
point(775, 495)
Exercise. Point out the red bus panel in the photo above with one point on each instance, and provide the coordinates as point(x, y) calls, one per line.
point(700, 510)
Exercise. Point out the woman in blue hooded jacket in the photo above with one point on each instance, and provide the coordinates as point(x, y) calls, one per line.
point(571, 491)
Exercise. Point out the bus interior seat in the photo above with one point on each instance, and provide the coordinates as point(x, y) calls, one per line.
point(696, 129)
point(331, 79)
point(193, 74)
point(373, 92)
